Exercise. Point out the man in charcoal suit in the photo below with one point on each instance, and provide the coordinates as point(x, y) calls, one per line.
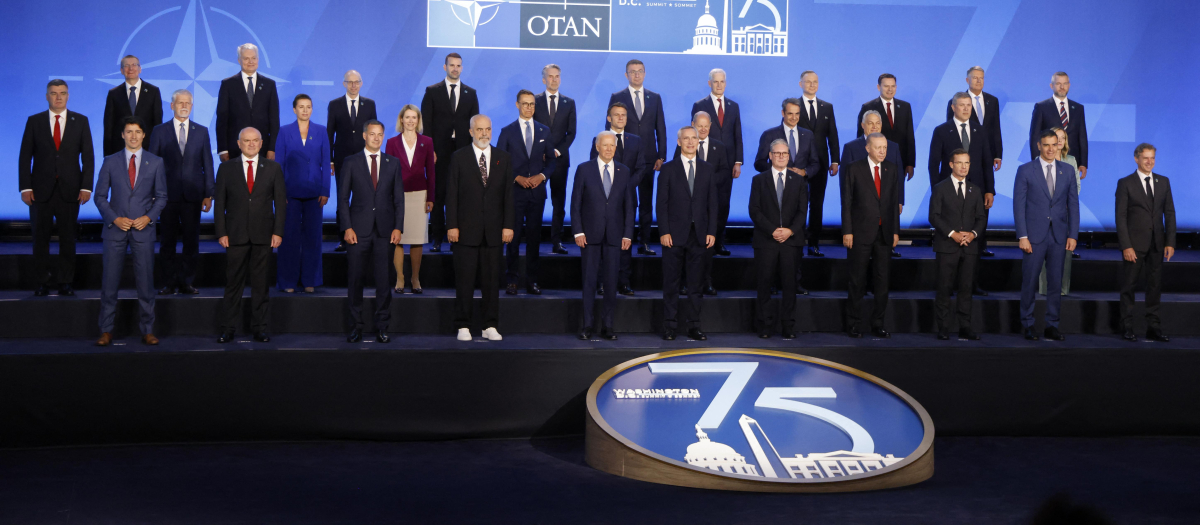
point(957, 213)
point(646, 120)
point(1146, 231)
point(133, 98)
point(965, 133)
point(247, 99)
point(897, 126)
point(726, 121)
point(817, 116)
point(985, 111)
point(778, 199)
point(804, 162)
point(446, 111)
point(557, 111)
point(344, 124)
point(687, 224)
point(870, 228)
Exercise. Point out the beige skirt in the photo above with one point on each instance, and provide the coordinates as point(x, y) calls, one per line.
point(416, 221)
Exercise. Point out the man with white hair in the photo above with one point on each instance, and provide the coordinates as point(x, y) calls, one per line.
point(247, 100)
point(687, 228)
point(726, 117)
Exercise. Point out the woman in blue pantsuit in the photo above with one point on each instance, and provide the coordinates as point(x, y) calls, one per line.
point(303, 150)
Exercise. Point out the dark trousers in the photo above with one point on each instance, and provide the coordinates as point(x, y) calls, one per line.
point(298, 263)
point(873, 256)
point(527, 225)
point(379, 250)
point(600, 262)
point(1150, 262)
point(776, 263)
point(645, 205)
point(724, 193)
point(179, 221)
point(470, 263)
point(687, 253)
point(65, 213)
point(626, 271)
point(437, 216)
point(143, 271)
point(816, 204)
point(558, 197)
point(1050, 254)
point(955, 273)
point(244, 261)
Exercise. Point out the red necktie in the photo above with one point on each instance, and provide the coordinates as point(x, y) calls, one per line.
point(720, 112)
point(877, 192)
point(250, 175)
point(891, 121)
point(374, 173)
point(132, 170)
point(57, 132)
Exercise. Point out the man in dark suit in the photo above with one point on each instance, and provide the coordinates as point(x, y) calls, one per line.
point(628, 153)
point(1059, 111)
point(247, 100)
point(479, 218)
point(371, 212)
point(56, 166)
point(726, 118)
point(817, 117)
point(531, 149)
point(957, 214)
point(343, 123)
point(446, 111)
point(856, 150)
point(802, 148)
point(646, 121)
point(1046, 216)
point(557, 111)
point(965, 133)
point(249, 225)
point(778, 199)
point(602, 213)
point(687, 213)
point(898, 127)
point(138, 185)
point(186, 152)
point(711, 150)
point(136, 98)
point(870, 228)
point(1146, 231)
point(985, 112)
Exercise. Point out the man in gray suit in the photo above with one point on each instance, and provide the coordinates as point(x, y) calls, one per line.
point(130, 193)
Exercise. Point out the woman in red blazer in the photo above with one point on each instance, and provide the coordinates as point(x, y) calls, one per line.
point(415, 152)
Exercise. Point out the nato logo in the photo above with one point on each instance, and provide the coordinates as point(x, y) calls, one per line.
point(755, 420)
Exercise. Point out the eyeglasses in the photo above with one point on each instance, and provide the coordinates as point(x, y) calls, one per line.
point(352, 82)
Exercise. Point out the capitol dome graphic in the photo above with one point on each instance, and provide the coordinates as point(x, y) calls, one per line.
point(717, 456)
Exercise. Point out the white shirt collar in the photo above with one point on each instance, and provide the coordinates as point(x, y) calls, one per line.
point(714, 100)
point(788, 130)
point(806, 99)
point(479, 152)
point(886, 102)
point(368, 152)
point(683, 156)
point(1053, 165)
point(246, 159)
point(956, 179)
point(555, 94)
point(871, 162)
point(246, 77)
point(63, 115)
point(178, 122)
point(1058, 101)
point(611, 168)
point(641, 89)
point(959, 123)
point(137, 152)
point(523, 121)
point(450, 81)
point(776, 173)
point(1142, 176)
point(137, 85)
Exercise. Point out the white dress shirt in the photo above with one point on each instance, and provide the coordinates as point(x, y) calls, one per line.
point(815, 106)
point(871, 162)
point(409, 151)
point(958, 128)
point(137, 166)
point(1142, 180)
point(137, 92)
point(254, 160)
point(350, 102)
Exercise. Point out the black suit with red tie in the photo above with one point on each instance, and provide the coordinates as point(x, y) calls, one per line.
point(870, 213)
point(249, 215)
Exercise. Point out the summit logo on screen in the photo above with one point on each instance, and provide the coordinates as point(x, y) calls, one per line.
point(710, 27)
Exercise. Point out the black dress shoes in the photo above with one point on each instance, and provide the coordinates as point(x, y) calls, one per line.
point(341, 247)
point(188, 289)
point(66, 290)
point(645, 250)
point(625, 290)
point(814, 251)
point(800, 290)
point(437, 246)
point(943, 335)
point(968, 334)
point(709, 290)
point(585, 334)
point(695, 333)
point(226, 337)
point(722, 251)
point(166, 290)
point(558, 248)
point(1031, 334)
point(1075, 255)
point(895, 253)
point(511, 289)
point(979, 291)
point(1053, 334)
point(41, 291)
point(683, 290)
point(789, 333)
point(355, 336)
point(669, 334)
point(533, 289)
point(853, 332)
point(880, 333)
point(262, 337)
point(1129, 335)
point(600, 290)
point(608, 334)
point(1155, 334)
point(382, 337)
point(764, 334)
point(987, 253)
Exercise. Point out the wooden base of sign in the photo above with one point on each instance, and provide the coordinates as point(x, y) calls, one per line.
point(608, 454)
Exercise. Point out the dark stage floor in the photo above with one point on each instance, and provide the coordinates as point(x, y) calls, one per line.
point(978, 481)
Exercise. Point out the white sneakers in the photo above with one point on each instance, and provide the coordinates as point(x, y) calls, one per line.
point(490, 334)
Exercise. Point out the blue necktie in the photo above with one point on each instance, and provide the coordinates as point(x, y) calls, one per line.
point(132, 100)
point(779, 193)
point(978, 109)
point(792, 144)
point(528, 140)
point(607, 181)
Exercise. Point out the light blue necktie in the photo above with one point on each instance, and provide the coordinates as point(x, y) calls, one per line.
point(792, 144)
point(528, 140)
point(182, 136)
point(637, 103)
point(779, 193)
point(978, 109)
point(1050, 178)
point(607, 181)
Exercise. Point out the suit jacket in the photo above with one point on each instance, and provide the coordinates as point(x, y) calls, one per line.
point(947, 138)
point(418, 173)
point(766, 214)
point(677, 209)
point(730, 134)
point(1045, 116)
point(1036, 214)
point(249, 218)
point(512, 141)
point(345, 135)
point(562, 129)
point(718, 156)
point(1139, 220)
point(990, 125)
point(603, 218)
point(824, 131)
point(806, 157)
point(116, 108)
point(189, 173)
point(630, 155)
point(863, 210)
point(441, 120)
point(479, 212)
point(71, 166)
point(651, 127)
point(365, 207)
point(147, 197)
point(305, 162)
point(856, 150)
point(901, 133)
point(950, 213)
point(235, 114)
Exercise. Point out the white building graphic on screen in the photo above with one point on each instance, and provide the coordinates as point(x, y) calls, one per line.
point(717, 456)
point(758, 39)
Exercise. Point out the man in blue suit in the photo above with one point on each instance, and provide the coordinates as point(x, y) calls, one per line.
point(130, 193)
point(1046, 213)
point(371, 212)
point(557, 111)
point(802, 148)
point(531, 148)
point(629, 153)
point(687, 227)
point(186, 152)
point(726, 118)
point(646, 121)
point(1058, 111)
point(602, 219)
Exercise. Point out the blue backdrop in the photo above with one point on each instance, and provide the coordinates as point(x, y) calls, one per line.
point(1129, 64)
